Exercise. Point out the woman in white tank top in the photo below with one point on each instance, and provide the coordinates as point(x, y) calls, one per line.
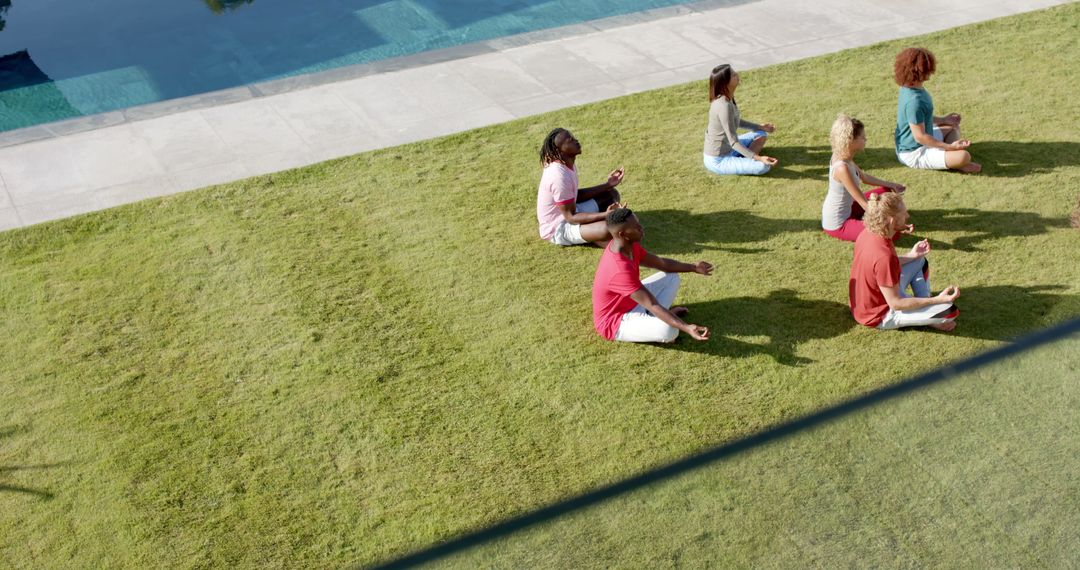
point(845, 203)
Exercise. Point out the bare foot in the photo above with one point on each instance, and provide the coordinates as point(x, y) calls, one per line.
point(946, 326)
point(679, 311)
point(971, 168)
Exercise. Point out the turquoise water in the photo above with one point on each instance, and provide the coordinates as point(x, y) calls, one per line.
point(66, 58)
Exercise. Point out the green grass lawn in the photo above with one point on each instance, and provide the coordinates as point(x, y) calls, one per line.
point(995, 486)
point(346, 362)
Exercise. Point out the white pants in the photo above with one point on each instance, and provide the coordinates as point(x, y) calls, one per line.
point(640, 325)
point(570, 234)
point(567, 234)
point(924, 157)
point(917, 317)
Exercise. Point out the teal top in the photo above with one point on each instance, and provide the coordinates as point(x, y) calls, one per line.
point(914, 106)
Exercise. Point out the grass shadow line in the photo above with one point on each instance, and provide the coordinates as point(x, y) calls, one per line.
point(9, 488)
point(983, 225)
point(999, 159)
point(708, 457)
point(674, 232)
point(1005, 312)
point(781, 316)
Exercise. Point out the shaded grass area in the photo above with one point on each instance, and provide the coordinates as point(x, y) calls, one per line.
point(994, 484)
point(348, 361)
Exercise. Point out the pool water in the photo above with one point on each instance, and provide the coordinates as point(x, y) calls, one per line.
point(68, 58)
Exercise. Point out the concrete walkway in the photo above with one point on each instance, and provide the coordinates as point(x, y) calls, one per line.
point(59, 170)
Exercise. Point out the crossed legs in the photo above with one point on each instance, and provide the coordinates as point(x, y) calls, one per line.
point(641, 326)
point(915, 274)
point(957, 159)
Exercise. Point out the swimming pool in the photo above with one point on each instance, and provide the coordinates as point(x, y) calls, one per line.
point(67, 58)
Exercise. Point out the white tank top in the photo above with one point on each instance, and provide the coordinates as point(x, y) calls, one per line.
point(837, 206)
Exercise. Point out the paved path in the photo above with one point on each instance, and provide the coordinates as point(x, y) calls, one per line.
point(116, 158)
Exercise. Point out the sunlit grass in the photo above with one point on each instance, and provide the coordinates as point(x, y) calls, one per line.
point(348, 361)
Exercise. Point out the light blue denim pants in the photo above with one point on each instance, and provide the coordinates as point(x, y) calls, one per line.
point(911, 275)
point(735, 163)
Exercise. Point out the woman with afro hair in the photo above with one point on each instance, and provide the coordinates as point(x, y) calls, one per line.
point(922, 139)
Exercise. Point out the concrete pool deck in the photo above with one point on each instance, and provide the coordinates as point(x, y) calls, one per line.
point(63, 169)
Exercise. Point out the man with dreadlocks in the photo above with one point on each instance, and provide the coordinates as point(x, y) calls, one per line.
point(567, 215)
point(877, 287)
point(625, 308)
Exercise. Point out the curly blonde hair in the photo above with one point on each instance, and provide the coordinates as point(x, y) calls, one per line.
point(881, 209)
point(845, 129)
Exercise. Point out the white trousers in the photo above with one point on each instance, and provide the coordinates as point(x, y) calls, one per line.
point(640, 325)
point(925, 157)
point(570, 234)
point(916, 318)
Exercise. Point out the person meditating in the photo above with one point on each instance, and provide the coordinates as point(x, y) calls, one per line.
point(568, 216)
point(726, 153)
point(844, 205)
point(628, 309)
point(877, 287)
point(923, 140)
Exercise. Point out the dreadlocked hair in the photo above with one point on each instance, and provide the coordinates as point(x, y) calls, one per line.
point(548, 151)
point(618, 216)
point(844, 130)
point(880, 209)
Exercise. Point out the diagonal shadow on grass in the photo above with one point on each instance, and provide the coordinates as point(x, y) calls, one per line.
point(1004, 312)
point(508, 528)
point(673, 232)
point(1019, 159)
point(781, 316)
point(8, 488)
point(982, 225)
point(997, 312)
point(999, 159)
point(25, 490)
point(801, 162)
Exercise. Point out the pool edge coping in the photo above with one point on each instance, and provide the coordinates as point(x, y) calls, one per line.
point(300, 82)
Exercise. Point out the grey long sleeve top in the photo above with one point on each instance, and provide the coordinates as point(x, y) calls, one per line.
point(724, 119)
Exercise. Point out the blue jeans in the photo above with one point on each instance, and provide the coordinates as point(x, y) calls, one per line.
point(735, 163)
point(912, 274)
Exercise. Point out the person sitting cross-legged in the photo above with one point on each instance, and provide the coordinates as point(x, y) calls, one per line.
point(924, 140)
point(725, 152)
point(845, 202)
point(625, 307)
point(567, 215)
point(877, 286)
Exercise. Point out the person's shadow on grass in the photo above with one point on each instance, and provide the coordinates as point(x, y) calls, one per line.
point(801, 162)
point(673, 232)
point(981, 225)
point(1005, 312)
point(781, 316)
point(1004, 159)
point(996, 312)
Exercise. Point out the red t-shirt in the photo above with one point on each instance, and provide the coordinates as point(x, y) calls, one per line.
point(875, 266)
point(616, 279)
